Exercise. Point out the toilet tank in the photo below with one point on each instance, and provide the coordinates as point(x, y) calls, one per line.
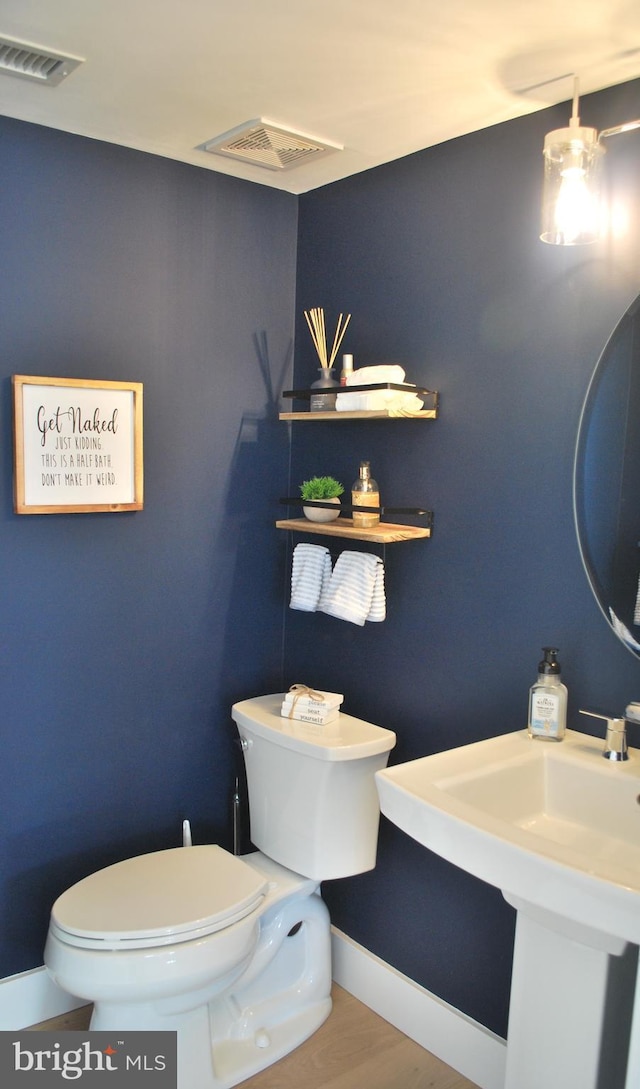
point(313, 801)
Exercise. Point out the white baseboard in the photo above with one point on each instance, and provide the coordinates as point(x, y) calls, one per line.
point(459, 1041)
point(30, 997)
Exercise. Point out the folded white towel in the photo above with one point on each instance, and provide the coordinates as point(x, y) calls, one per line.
point(369, 376)
point(310, 572)
point(356, 589)
point(390, 399)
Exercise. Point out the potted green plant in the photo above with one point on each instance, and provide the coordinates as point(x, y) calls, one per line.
point(325, 489)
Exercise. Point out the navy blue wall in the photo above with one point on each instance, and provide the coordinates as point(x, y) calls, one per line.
point(437, 258)
point(124, 638)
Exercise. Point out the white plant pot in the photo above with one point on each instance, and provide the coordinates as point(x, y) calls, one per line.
point(321, 514)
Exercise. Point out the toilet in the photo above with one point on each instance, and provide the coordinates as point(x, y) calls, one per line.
point(232, 953)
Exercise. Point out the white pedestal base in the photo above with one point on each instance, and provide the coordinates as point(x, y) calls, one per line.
point(571, 1005)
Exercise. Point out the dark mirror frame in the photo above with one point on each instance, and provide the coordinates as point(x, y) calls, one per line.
point(606, 480)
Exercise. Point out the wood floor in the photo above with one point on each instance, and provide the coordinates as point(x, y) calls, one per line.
point(353, 1048)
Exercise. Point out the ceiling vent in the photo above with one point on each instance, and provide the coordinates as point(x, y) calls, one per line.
point(28, 61)
point(270, 146)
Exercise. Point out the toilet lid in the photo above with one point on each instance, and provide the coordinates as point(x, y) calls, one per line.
point(159, 898)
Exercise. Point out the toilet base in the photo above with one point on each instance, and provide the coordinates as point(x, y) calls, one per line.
point(228, 1062)
point(281, 998)
point(250, 1056)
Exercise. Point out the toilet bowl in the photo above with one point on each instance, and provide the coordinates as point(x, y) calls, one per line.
point(231, 953)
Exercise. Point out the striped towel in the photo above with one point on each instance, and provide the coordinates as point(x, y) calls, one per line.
point(310, 572)
point(636, 612)
point(356, 589)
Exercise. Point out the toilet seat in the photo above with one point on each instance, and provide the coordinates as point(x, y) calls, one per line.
point(157, 899)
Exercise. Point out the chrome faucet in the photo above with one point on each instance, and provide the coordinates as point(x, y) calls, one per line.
point(615, 745)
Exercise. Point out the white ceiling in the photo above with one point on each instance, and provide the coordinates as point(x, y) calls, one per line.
point(381, 78)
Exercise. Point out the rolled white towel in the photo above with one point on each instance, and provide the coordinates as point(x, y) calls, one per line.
point(369, 376)
point(310, 572)
point(406, 402)
point(356, 589)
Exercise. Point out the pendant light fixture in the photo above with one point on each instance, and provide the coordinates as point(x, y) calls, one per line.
point(571, 204)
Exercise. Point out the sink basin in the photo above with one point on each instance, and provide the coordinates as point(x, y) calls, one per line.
point(550, 824)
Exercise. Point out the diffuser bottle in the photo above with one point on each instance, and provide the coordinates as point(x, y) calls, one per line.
point(364, 493)
point(321, 401)
point(548, 700)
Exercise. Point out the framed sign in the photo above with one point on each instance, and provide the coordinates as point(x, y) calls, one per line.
point(77, 445)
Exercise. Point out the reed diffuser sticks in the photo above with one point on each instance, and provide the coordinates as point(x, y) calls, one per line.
point(315, 321)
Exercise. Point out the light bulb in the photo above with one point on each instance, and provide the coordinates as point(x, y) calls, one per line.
point(571, 204)
point(576, 213)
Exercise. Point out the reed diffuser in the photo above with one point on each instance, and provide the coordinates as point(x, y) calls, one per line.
point(321, 401)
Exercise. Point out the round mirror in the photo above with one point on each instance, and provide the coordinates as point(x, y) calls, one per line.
point(607, 480)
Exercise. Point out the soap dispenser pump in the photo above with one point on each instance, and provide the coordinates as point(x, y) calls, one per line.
point(548, 700)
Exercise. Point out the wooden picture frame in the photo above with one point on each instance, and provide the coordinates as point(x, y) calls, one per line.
point(77, 445)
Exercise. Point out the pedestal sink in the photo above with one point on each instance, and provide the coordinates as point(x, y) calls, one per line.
point(557, 829)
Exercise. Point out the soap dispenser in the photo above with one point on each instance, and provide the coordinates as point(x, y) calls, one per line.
point(365, 493)
point(548, 700)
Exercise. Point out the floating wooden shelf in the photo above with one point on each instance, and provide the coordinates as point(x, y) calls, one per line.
point(382, 533)
point(373, 414)
point(429, 413)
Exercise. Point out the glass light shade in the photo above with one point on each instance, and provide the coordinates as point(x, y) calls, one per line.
point(571, 193)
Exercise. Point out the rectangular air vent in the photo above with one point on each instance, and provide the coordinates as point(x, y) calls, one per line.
point(265, 144)
point(28, 61)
